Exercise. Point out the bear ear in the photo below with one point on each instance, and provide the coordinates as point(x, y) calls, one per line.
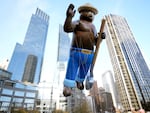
point(88, 7)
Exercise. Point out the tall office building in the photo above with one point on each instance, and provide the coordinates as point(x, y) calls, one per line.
point(110, 87)
point(27, 58)
point(131, 71)
point(62, 58)
point(64, 42)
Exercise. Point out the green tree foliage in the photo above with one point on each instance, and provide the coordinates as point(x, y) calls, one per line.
point(59, 111)
point(33, 111)
point(24, 111)
point(19, 111)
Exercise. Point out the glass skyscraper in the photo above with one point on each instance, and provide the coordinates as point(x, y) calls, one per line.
point(110, 86)
point(63, 45)
point(130, 69)
point(27, 58)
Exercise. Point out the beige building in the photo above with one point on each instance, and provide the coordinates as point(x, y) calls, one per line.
point(130, 69)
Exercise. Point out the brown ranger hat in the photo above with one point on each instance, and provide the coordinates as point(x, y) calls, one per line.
point(89, 7)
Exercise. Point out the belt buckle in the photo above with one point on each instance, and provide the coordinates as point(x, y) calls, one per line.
point(86, 51)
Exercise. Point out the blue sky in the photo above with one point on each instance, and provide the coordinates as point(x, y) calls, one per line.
point(15, 16)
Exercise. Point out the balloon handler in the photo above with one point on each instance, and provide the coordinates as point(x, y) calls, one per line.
point(82, 52)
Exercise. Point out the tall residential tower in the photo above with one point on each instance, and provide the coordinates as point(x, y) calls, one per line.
point(27, 58)
point(130, 69)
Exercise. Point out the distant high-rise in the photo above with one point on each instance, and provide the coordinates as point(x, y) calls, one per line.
point(63, 45)
point(110, 86)
point(27, 59)
point(30, 68)
point(130, 69)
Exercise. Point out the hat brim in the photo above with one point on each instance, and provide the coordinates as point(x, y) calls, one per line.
point(82, 8)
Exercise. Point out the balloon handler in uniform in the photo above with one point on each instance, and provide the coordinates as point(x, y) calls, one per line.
point(82, 47)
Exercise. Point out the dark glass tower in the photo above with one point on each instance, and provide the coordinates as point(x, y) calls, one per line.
point(30, 68)
point(130, 69)
point(27, 58)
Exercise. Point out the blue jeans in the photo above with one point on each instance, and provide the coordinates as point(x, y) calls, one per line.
point(78, 66)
